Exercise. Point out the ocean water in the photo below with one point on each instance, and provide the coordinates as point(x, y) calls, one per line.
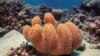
point(58, 4)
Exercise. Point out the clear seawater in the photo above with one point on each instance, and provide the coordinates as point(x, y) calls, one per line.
point(58, 4)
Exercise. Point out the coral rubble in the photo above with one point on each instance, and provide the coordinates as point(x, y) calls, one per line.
point(14, 14)
point(23, 50)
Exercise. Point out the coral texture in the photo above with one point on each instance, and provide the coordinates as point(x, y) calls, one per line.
point(75, 34)
point(49, 18)
point(53, 38)
point(36, 20)
point(26, 32)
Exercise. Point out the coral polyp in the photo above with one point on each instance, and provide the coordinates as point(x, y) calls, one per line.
point(54, 38)
point(49, 18)
point(26, 32)
point(36, 20)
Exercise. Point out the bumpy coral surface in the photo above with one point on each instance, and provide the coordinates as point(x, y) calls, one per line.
point(53, 38)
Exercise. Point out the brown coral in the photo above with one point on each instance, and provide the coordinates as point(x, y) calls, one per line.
point(54, 38)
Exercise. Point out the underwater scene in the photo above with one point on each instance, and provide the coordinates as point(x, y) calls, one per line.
point(49, 27)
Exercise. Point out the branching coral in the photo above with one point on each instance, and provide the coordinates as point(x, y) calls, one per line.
point(53, 38)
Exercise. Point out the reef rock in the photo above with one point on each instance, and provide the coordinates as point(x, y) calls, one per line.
point(8, 1)
point(91, 52)
point(92, 6)
point(11, 39)
point(91, 2)
point(3, 31)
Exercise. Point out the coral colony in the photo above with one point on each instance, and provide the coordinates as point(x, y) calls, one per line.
point(52, 37)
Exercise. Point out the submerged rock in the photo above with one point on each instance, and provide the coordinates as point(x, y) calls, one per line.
point(91, 6)
point(91, 52)
point(11, 39)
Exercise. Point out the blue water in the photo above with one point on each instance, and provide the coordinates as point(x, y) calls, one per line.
point(59, 4)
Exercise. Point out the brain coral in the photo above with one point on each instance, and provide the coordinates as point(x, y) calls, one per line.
point(53, 38)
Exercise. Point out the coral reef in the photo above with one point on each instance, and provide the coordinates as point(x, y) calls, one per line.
point(52, 37)
point(14, 14)
point(9, 15)
point(9, 1)
point(89, 24)
point(91, 6)
point(23, 50)
point(26, 49)
point(88, 20)
point(93, 29)
point(38, 24)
